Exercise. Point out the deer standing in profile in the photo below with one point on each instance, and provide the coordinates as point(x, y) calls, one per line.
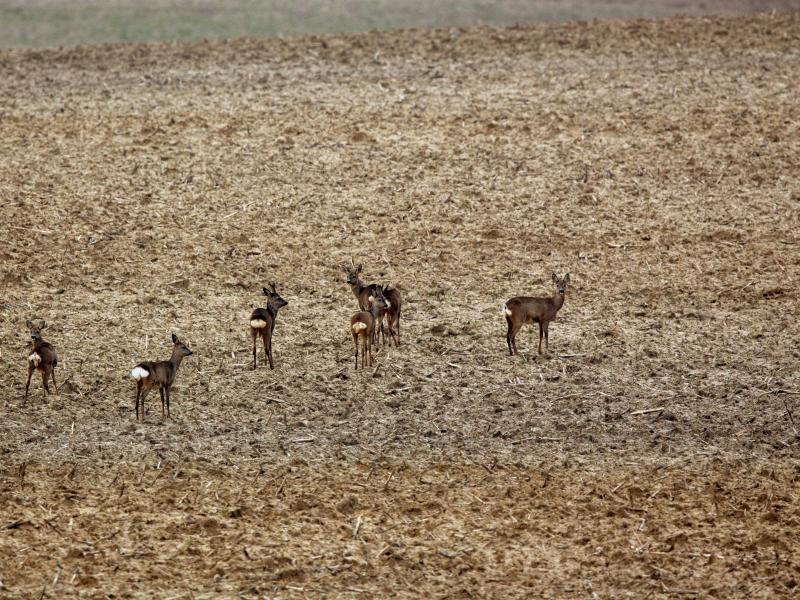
point(262, 322)
point(362, 325)
point(524, 309)
point(149, 375)
point(363, 292)
point(42, 357)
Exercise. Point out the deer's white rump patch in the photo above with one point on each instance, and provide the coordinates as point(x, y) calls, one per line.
point(35, 359)
point(139, 373)
point(359, 326)
point(258, 323)
point(506, 310)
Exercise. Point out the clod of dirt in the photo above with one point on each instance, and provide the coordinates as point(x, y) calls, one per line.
point(774, 293)
point(443, 331)
point(348, 505)
point(666, 415)
point(360, 136)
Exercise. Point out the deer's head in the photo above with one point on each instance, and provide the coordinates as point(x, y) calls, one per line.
point(181, 346)
point(352, 272)
point(561, 283)
point(36, 328)
point(274, 300)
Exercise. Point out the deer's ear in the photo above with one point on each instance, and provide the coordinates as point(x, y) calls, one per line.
point(566, 277)
point(28, 323)
point(43, 325)
point(266, 291)
point(174, 339)
point(358, 269)
point(555, 277)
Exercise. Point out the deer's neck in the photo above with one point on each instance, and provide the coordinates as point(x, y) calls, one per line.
point(558, 300)
point(176, 358)
point(357, 286)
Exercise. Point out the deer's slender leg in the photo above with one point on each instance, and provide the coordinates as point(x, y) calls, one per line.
point(31, 369)
point(364, 338)
point(163, 400)
point(268, 347)
point(140, 394)
point(508, 335)
point(145, 391)
point(547, 336)
point(514, 331)
point(269, 341)
point(364, 347)
point(44, 382)
point(541, 333)
point(355, 343)
point(254, 350)
point(167, 390)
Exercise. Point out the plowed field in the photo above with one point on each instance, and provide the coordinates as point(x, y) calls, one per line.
point(653, 452)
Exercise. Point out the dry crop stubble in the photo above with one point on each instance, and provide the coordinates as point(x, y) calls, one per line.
point(150, 189)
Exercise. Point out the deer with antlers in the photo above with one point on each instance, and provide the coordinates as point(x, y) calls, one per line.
point(42, 358)
point(363, 292)
point(161, 375)
point(542, 310)
point(262, 322)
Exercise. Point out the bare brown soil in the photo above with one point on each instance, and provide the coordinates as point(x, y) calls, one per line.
point(151, 189)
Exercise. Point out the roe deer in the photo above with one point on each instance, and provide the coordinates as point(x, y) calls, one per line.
point(149, 375)
point(363, 292)
point(360, 291)
point(362, 325)
point(42, 357)
point(524, 309)
point(262, 322)
point(395, 301)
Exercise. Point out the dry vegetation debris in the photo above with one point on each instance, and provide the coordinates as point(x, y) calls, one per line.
point(149, 189)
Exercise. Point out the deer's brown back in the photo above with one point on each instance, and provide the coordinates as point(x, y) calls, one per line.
point(532, 308)
point(160, 373)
